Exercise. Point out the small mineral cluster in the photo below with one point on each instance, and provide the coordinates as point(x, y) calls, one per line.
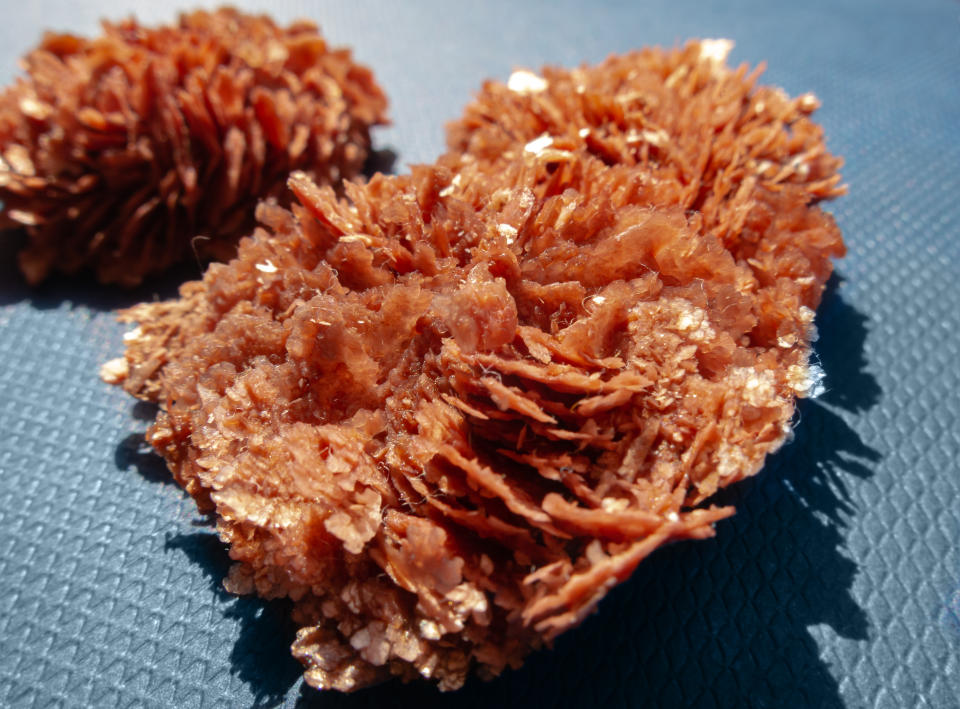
point(129, 152)
point(447, 413)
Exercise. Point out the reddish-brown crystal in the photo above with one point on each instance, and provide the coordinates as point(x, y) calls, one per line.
point(447, 414)
point(134, 150)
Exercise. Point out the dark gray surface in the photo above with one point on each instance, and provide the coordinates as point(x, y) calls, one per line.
point(836, 585)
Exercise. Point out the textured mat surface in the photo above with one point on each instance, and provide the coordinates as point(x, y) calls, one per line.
point(836, 585)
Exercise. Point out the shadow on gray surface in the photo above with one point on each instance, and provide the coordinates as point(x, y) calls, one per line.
point(381, 160)
point(81, 290)
point(721, 623)
point(12, 285)
point(134, 451)
point(841, 354)
point(261, 656)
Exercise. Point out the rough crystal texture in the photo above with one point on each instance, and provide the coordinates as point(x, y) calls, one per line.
point(131, 151)
point(447, 414)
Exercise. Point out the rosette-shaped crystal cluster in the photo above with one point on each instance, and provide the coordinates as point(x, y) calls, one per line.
point(446, 414)
point(139, 148)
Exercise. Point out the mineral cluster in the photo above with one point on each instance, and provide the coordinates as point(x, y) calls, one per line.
point(448, 412)
point(142, 147)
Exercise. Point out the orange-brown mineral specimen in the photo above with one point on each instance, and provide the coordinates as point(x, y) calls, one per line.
point(447, 414)
point(127, 152)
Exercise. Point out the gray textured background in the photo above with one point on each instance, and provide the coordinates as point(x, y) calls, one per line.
point(836, 585)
